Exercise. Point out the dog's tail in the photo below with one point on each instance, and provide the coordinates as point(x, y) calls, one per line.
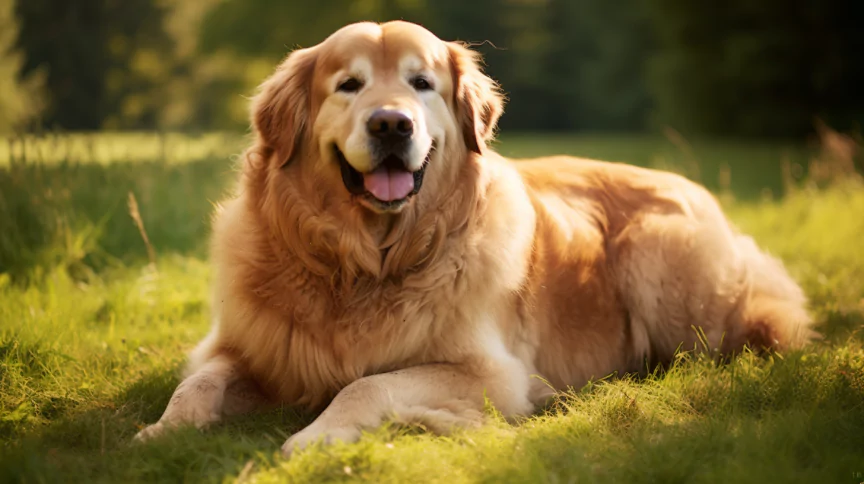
point(774, 309)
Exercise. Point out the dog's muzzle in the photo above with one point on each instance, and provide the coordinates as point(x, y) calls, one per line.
point(389, 185)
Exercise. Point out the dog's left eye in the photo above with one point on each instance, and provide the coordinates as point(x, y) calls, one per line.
point(350, 85)
point(420, 83)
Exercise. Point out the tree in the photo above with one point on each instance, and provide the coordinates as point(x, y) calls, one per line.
point(595, 65)
point(756, 68)
point(21, 98)
point(103, 60)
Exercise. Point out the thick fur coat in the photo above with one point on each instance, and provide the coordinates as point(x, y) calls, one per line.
point(494, 279)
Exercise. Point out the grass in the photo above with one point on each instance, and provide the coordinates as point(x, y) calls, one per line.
point(92, 336)
point(122, 147)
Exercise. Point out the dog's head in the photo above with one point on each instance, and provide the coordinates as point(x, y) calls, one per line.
point(375, 110)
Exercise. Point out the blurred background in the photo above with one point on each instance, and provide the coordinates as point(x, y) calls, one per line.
point(762, 68)
point(103, 100)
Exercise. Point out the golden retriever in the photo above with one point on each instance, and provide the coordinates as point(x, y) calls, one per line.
point(379, 256)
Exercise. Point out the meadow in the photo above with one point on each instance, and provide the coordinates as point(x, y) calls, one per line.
point(94, 323)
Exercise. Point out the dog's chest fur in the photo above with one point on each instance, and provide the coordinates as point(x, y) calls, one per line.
point(333, 338)
point(305, 337)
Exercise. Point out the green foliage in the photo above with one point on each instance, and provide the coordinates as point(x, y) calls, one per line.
point(564, 65)
point(757, 68)
point(732, 68)
point(595, 63)
point(104, 60)
point(20, 97)
point(89, 350)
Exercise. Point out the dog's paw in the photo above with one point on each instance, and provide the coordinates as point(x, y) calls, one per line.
point(184, 413)
point(317, 434)
point(150, 432)
point(442, 421)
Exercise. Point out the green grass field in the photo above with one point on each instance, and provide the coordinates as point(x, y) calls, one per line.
point(92, 336)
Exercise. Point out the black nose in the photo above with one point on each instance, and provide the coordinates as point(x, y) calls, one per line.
point(390, 124)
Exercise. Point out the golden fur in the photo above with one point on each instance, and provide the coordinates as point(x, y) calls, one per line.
point(494, 274)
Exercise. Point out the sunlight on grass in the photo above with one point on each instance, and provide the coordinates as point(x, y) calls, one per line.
point(92, 338)
point(122, 147)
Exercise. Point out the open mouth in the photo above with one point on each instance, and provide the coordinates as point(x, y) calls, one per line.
point(388, 186)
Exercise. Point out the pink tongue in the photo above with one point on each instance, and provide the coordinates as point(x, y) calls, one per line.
point(388, 185)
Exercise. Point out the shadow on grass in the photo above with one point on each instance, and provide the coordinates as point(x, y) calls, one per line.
point(793, 419)
point(95, 445)
point(790, 446)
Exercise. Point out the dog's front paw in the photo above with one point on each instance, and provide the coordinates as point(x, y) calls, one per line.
point(150, 432)
point(319, 434)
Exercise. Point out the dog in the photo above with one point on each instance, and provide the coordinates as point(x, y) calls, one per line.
point(380, 261)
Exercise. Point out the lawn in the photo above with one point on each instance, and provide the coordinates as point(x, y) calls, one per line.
point(92, 334)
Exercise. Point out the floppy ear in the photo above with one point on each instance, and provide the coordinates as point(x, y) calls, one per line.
point(280, 110)
point(478, 100)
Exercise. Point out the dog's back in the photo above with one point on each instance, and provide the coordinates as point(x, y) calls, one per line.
point(631, 264)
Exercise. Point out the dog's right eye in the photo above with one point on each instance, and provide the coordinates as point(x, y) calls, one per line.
point(349, 85)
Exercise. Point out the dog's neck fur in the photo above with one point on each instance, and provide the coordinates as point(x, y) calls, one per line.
point(349, 246)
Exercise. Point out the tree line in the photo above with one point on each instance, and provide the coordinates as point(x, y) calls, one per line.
point(737, 68)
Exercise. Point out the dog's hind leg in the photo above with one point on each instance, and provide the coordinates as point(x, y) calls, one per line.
point(696, 284)
point(217, 387)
